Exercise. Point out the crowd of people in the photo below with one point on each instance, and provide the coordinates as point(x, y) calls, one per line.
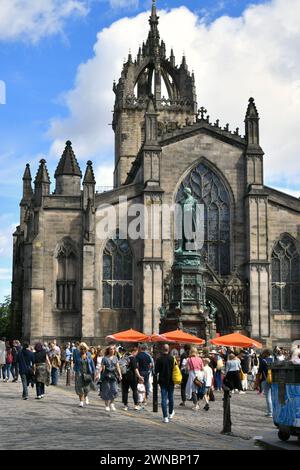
point(199, 372)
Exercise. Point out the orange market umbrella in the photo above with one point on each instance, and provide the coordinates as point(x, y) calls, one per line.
point(157, 338)
point(128, 336)
point(179, 336)
point(237, 340)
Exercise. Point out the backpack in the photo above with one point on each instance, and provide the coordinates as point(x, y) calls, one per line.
point(176, 374)
point(124, 364)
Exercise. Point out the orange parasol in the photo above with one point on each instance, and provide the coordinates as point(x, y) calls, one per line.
point(128, 336)
point(179, 336)
point(237, 340)
point(159, 338)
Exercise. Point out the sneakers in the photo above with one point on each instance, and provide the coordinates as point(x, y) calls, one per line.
point(42, 396)
point(242, 393)
point(39, 397)
point(107, 408)
point(87, 402)
point(166, 420)
point(182, 403)
point(137, 408)
point(81, 404)
point(25, 398)
point(172, 415)
point(206, 408)
point(195, 407)
point(125, 408)
point(112, 407)
point(269, 415)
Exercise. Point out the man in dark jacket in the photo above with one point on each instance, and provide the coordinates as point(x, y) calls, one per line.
point(25, 359)
point(164, 368)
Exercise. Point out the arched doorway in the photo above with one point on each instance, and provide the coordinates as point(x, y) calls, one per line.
point(225, 317)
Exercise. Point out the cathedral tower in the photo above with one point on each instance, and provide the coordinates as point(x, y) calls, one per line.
point(151, 74)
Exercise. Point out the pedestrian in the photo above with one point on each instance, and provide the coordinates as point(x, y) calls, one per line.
point(265, 361)
point(8, 364)
point(54, 356)
point(130, 378)
point(145, 365)
point(164, 369)
point(184, 372)
point(232, 374)
point(195, 370)
point(15, 368)
point(110, 374)
point(141, 391)
point(98, 361)
point(93, 352)
point(41, 370)
point(2, 357)
point(207, 381)
point(25, 360)
point(84, 368)
point(245, 368)
point(219, 372)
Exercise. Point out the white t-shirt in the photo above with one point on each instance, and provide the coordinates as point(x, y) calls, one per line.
point(208, 376)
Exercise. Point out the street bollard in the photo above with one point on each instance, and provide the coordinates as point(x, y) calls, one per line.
point(155, 394)
point(226, 412)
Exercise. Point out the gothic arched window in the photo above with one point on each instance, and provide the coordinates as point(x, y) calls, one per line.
point(117, 274)
point(66, 255)
point(210, 191)
point(285, 275)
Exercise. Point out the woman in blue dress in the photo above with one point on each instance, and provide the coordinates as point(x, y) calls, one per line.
point(110, 375)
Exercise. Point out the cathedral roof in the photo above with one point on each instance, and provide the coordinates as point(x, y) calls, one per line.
point(68, 164)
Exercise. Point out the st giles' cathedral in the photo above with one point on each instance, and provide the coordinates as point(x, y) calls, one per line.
point(70, 284)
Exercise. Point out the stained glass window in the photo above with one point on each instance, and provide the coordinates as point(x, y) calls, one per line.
point(117, 275)
point(285, 275)
point(210, 190)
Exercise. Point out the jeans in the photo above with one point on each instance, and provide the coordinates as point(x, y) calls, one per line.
point(54, 376)
point(25, 385)
point(15, 370)
point(146, 376)
point(267, 391)
point(40, 389)
point(218, 380)
point(167, 393)
point(185, 377)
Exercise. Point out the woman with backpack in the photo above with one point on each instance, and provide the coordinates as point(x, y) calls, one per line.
point(130, 377)
point(25, 360)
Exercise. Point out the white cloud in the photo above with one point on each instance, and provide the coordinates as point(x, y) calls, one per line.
point(33, 19)
point(5, 274)
point(6, 239)
point(256, 54)
point(104, 175)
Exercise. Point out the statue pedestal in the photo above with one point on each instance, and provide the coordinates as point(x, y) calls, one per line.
point(187, 305)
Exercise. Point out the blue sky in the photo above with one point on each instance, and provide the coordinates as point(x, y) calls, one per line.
point(44, 69)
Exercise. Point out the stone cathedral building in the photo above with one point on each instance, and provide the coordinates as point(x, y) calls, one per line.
point(70, 284)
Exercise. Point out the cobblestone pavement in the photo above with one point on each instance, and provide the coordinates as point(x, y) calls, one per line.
point(56, 422)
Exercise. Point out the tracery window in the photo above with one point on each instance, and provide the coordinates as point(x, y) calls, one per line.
point(209, 190)
point(285, 275)
point(66, 255)
point(117, 275)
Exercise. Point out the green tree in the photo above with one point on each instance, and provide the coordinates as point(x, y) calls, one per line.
point(5, 317)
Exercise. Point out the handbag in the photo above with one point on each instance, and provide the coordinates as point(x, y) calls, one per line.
point(197, 381)
point(87, 379)
point(269, 377)
point(176, 374)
